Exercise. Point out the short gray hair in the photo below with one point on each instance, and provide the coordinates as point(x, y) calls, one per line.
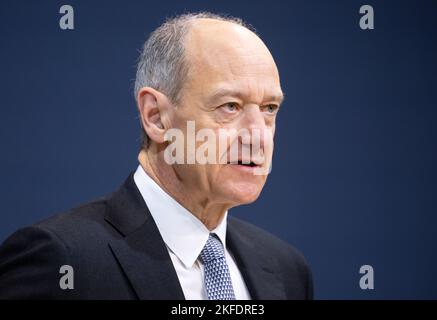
point(162, 64)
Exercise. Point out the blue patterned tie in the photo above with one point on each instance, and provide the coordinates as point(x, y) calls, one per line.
point(217, 277)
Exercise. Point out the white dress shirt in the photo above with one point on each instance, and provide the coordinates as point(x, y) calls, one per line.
point(185, 236)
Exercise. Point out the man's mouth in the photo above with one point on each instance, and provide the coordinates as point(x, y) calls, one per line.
point(250, 164)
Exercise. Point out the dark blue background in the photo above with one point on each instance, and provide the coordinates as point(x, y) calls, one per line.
point(354, 177)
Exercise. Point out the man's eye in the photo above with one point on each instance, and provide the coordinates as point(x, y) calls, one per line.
point(271, 108)
point(230, 107)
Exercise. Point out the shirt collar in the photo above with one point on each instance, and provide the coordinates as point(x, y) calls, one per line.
point(183, 233)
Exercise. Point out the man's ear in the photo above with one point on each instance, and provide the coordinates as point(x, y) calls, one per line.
point(152, 107)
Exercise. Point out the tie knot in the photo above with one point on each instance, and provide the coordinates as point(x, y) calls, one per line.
point(213, 249)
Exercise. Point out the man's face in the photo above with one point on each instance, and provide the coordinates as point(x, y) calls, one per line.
point(233, 83)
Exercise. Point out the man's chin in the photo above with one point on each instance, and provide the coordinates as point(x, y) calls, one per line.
point(245, 195)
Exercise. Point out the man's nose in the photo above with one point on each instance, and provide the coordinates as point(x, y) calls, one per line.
point(254, 125)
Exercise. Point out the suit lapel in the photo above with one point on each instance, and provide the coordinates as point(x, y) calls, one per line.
point(257, 270)
point(141, 251)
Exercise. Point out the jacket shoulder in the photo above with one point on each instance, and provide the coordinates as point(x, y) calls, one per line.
point(31, 258)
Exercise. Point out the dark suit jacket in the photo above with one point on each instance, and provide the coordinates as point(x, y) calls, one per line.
point(117, 252)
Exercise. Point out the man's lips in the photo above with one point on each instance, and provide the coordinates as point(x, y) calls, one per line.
point(248, 164)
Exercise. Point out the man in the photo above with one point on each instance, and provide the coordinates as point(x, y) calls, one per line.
point(166, 234)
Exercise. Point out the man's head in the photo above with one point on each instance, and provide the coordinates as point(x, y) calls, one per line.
point(216, 72)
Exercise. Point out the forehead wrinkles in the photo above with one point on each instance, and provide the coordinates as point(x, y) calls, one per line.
point(252, 87)
point(231, 62)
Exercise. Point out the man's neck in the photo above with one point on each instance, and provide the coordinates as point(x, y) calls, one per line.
point(210, 214)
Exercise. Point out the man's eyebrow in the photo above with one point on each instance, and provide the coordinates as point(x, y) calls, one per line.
point(222, 92)
point(279, 97)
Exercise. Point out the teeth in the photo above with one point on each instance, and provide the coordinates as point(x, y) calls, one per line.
point(240, 162)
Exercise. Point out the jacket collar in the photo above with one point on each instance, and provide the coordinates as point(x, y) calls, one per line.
point(141, 251)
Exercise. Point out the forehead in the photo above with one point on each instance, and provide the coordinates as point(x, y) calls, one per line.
point(225, 54)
